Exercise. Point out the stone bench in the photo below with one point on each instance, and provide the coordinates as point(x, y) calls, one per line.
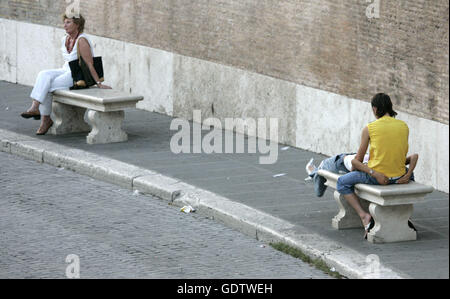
point(391, 207)
point(104, 113)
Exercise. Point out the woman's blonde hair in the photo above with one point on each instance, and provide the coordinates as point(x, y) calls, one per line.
point(79, 21)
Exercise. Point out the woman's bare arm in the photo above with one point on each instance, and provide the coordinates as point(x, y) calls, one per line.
point(412, 161)
point(357, 162)
point(363, 145)
point(85, 52)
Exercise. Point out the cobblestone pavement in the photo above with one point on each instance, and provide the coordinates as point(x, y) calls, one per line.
point(49, 213)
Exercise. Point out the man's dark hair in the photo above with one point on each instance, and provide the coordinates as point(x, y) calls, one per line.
point(383, 104)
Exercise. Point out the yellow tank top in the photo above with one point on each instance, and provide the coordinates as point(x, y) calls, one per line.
point(388, 146)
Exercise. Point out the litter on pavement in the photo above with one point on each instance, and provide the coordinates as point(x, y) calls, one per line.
point(280, 174)
point(187, 209)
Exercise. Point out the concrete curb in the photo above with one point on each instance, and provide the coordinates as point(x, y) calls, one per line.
point(267, 228)
point(250, 221)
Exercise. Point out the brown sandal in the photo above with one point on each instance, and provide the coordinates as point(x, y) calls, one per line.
point(43, 131)
point(35, 115)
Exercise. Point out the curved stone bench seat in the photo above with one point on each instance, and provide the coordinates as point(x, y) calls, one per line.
point(391, 207)
point(104, 115)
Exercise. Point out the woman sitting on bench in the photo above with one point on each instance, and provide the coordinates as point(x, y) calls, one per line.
point(51, 80)
point(388, 139)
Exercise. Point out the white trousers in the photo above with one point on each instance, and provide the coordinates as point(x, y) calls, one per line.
point(48, 81)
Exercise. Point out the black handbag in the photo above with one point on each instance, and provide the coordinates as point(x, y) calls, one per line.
point(81, 74)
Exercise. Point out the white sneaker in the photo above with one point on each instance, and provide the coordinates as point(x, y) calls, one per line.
point(310, 167)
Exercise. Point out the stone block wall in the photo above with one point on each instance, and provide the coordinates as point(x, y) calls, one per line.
point(313, 65)
point(329, 45)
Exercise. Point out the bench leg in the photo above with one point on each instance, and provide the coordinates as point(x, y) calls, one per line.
point(347, 217)
point(68, 119)
point(391, 224)
point(106, 127)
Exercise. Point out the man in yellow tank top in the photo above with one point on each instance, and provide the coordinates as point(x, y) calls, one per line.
point(388, 139)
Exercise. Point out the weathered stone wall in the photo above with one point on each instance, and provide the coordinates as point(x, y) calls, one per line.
point(328, 45)
point(174, 84)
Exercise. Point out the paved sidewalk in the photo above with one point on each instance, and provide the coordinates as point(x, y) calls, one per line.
point(242, 180)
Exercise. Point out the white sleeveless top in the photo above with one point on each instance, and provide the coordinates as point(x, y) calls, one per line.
point(73, 55)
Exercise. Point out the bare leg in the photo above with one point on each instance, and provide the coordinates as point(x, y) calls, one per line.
point(353, 200)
